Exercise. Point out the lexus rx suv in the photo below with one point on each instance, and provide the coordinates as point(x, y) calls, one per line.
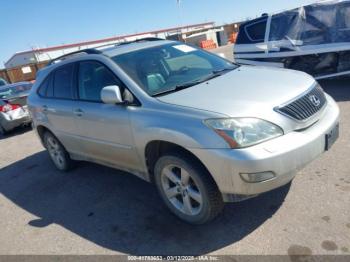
point(204, 130)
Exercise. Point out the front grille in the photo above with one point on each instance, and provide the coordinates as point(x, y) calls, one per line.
point(306, 106)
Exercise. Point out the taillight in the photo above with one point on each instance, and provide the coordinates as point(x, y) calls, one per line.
point(8, 107)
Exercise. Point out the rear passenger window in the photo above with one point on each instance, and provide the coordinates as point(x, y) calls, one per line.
point(63, 82)
point(93, 76)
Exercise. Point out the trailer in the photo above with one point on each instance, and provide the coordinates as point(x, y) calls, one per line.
point(313, 38)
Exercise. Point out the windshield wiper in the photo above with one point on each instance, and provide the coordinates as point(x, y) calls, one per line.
point(179, 87)
point(214, 74)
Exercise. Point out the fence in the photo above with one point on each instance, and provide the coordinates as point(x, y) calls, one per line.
point(21, 73)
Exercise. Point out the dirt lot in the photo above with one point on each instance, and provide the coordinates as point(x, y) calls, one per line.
point(97, 210)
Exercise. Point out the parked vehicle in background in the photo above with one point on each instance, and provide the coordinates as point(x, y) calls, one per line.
point(2, 82)
point(314, 39)
point(13, 106)
point(204, 130)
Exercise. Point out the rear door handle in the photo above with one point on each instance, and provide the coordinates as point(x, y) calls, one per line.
point(48, 109)
point(78, 112)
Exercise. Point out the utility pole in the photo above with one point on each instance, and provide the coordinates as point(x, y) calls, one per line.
point(178, 2)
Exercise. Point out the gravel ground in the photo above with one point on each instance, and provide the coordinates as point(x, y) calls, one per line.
point(98, 210)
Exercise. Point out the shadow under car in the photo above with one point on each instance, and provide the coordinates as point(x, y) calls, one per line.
point(120, 212)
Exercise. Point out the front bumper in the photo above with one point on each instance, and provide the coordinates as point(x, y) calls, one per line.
point(14, 118)
point(284, 156)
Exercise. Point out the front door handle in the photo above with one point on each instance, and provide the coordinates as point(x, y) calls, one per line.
point(78, 112)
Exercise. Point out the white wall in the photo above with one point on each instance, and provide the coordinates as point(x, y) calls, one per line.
point(20, 59)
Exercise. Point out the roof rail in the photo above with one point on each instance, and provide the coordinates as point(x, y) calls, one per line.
point(96, 51)
point(146, 39)
point(149, 39)
point(89, 51)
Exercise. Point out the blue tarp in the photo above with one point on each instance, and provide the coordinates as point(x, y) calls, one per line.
point(320, 23)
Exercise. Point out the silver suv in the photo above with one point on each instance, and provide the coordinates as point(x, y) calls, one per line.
point(204, 130)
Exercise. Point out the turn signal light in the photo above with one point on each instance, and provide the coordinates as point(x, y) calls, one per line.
point(257, 177)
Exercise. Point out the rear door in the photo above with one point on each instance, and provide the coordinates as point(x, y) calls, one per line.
point(59, 98)
point(104, 129)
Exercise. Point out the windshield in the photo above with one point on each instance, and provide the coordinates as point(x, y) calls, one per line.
point(11, 91)
point(171, 67)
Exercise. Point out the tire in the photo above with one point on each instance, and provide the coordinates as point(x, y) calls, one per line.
point(187, 189)
point(3, 132)
point(58, 153)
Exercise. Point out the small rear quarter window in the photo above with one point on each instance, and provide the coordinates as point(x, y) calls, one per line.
point(45, 86)
point(252, 31)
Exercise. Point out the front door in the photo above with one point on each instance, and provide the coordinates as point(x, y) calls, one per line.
point(104, 129)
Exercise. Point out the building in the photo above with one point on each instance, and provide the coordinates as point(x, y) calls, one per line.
point(41, 55)
point(220, 35)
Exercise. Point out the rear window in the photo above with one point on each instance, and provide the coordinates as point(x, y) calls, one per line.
point(21, 88)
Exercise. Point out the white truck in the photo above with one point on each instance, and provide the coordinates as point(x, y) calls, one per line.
point(313, 38)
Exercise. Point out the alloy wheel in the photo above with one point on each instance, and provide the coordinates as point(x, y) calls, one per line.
point(56, 152)
point(181, 190)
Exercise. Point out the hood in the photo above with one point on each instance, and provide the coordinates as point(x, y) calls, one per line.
point(248, 91)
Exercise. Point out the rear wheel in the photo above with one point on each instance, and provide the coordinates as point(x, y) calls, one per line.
point(187, 189)
point(57, 152)
point(2, 131)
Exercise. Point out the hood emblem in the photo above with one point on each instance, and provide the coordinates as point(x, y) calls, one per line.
point(315, 100)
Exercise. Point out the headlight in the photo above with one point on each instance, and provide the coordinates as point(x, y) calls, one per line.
point(244, 132)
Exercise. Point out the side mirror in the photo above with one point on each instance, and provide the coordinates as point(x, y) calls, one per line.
point(111, 95)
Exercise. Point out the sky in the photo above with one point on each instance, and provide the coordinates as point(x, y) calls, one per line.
point(27, 24)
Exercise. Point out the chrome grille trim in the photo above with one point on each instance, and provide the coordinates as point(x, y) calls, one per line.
point(302, 108)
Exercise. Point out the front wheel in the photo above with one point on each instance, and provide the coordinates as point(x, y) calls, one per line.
point(57, 152)
point(187, 189)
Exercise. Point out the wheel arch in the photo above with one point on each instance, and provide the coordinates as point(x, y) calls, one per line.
point(41, 130)
point(157, 148)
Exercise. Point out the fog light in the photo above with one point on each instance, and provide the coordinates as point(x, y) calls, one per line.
point(257, 177)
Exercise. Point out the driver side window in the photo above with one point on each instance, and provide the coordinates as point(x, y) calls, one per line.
point(93, 76)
